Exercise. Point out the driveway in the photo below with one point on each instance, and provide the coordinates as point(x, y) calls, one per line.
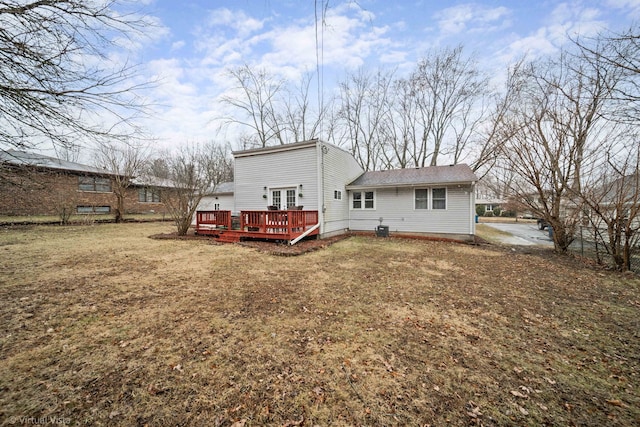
point(522, 234)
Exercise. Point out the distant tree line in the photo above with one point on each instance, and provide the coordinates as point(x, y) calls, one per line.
point(560, 137)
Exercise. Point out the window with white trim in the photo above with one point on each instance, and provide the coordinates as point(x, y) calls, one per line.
point(337, 194)
point(421, 198)
point(439, 198)
point(363, 200)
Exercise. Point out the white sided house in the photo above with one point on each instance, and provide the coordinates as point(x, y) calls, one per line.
point(435, 200)
point(311, 174)
point(326, 182)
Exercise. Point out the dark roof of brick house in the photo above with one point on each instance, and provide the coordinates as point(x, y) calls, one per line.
point(453, 174)
point(23, 158)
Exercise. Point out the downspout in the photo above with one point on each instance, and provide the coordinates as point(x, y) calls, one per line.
point(323, 150)
point(303, 235)
point(472, 207)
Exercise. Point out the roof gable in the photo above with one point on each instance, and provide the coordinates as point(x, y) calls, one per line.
point(452, 174)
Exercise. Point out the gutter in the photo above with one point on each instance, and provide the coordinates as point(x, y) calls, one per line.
point(402, 185)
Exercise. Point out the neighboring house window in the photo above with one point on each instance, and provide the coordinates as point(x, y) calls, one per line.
point(439, 198)
point(363, 200)
point(94, 183)
point(148, 195)
point(489, 208)
point(337, 194)
point(422, 198)
point(93, 209)
point(216, 206)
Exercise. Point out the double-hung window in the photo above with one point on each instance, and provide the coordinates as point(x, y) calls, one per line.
point(422, 198)
point(363, 200)
point(438, 198)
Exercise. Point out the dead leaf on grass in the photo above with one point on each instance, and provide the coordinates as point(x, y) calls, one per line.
point(239, 423)
point(518, 394)
point(294, 423)
point(615, 402)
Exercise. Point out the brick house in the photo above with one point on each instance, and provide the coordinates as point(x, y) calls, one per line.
point(33, 184)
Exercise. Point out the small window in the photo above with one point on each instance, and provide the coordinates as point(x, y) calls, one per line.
point(148, 195)
point(422, 198)
point(363, 200)
point(368, 200)
point(93, 209)
point(439, 198)
point(357, 200)
point(96, 184)
point(337, 194)
point(216, 206)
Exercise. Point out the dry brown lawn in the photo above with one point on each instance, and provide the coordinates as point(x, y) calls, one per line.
point(102, 325)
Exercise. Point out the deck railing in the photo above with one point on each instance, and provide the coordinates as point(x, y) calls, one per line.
point(213, 219)
point(277, 222)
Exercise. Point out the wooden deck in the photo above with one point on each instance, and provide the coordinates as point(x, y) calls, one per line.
point(270, 225)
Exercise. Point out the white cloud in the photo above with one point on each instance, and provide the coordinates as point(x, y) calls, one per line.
point(472, 17)
point(238, 20)
point(177, 45)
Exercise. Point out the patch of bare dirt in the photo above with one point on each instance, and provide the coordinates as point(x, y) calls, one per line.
point(280, 248)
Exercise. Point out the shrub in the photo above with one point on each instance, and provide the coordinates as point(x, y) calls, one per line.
point(480, 210)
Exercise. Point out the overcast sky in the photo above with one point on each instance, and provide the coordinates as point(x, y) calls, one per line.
point(195, 42)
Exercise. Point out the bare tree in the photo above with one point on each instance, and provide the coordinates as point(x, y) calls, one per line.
point(620, 51)
point(612, 198)
point(217, 162)
point(364, 104)
point(125, 161)
point(447, 87)
point(300, 120)
point(190, 179)
point(56, 81)
point(556, 130)
point(256, 97)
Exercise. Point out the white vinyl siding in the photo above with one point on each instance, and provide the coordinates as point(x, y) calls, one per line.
point(397, 208)
point(258, 175)
point(337, 169)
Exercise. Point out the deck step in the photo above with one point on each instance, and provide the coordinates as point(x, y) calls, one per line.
point(229, 237)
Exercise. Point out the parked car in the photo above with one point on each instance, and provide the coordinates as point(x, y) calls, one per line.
point(542, 224)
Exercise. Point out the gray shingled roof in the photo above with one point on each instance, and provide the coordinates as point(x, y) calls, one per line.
point(454, 174)
point(22, 158)
point(224, 187)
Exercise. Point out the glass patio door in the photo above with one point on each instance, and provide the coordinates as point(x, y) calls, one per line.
point(283, 198)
